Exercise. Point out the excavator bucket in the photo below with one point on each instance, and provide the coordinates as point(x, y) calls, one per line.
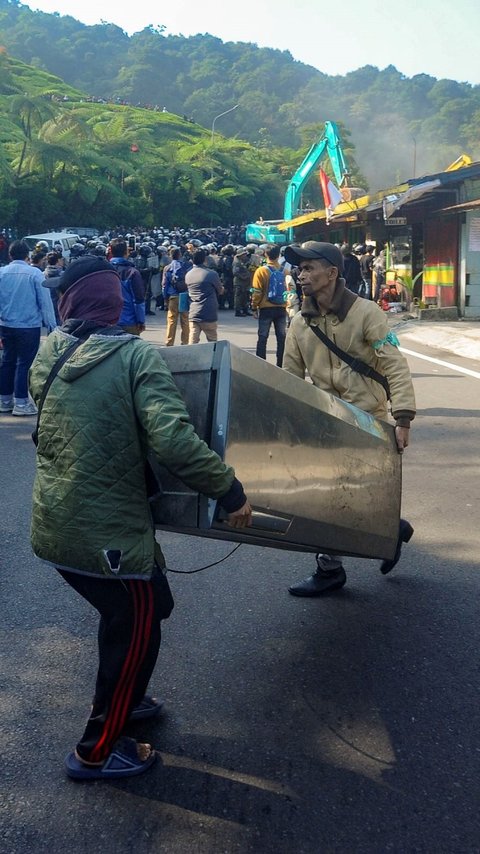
point(459, 163)
point(320, 474)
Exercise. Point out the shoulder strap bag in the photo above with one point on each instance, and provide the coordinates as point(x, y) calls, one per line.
point(53, 373)
point(355, 364)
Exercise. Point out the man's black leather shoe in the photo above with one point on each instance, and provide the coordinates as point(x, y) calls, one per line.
point(405, 534)
point(319, 583)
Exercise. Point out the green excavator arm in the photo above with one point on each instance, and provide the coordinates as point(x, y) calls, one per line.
point(329, 145)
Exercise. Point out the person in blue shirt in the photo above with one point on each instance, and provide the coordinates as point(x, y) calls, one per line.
point(175, 294)
point(25, 306)
point(132, 318)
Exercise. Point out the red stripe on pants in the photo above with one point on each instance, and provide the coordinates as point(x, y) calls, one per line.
point(142, 603)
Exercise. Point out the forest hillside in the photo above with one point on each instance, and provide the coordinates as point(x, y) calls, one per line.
point(67, 158)
point(398, 125)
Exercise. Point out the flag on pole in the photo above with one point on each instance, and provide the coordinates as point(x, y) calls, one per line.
point(331, 194)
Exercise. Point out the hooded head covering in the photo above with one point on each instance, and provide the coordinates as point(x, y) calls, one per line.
point(91, 290)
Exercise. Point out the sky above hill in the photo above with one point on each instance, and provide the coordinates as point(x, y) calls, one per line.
point(435, 37)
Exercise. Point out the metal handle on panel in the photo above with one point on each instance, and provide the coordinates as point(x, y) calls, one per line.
point(264, 522)
point(269, 522)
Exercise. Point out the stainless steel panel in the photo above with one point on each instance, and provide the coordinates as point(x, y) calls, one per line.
point(320, 473)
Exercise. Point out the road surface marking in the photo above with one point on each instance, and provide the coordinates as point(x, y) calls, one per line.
point(467, 371)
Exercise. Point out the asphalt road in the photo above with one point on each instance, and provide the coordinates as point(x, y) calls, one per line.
point(347, 724)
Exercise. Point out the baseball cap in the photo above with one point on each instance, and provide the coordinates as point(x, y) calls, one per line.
point(312, 249)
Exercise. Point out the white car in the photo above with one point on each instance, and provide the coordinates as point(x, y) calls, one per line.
point(64, 238)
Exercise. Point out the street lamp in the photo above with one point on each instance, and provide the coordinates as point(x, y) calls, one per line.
point(213, 131)
point(220, 116)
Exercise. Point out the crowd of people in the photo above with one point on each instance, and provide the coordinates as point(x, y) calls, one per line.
point(190, 274)
point(119, 102)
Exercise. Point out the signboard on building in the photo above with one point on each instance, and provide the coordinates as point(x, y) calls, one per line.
point(396, 220)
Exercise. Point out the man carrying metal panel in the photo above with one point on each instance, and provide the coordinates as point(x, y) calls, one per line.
point(106, 398)
point(347, 348)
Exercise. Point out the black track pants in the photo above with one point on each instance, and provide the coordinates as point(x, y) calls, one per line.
point(128, 642)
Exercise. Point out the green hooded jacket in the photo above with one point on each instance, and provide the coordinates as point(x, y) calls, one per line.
point(112, 401)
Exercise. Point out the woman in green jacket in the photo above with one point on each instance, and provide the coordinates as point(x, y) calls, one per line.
point(112, 401)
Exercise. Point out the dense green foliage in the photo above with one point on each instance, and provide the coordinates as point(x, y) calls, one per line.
point(67, 159)
point(399, 126)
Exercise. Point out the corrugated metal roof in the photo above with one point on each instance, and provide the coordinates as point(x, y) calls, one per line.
point(455, 177)
point(433, 184)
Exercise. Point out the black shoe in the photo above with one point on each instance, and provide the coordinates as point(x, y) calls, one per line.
point(239, 314)
point(405, 534)
point(149, 312)
point(319, 583)
point(248, 313)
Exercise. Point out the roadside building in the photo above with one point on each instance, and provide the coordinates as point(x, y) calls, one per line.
point(430, 229)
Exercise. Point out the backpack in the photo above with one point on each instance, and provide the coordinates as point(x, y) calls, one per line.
point(125, 272)
point(276, 286)
point(178, 278)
